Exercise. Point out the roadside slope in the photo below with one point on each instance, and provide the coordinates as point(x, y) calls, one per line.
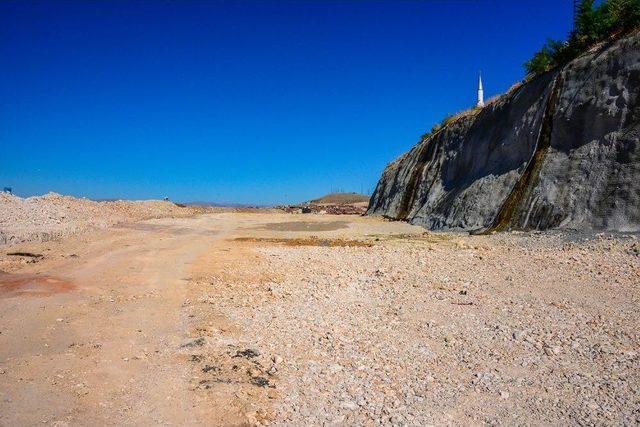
point(560, 151)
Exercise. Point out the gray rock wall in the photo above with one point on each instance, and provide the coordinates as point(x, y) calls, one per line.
point(562, 151)
point(590, 176)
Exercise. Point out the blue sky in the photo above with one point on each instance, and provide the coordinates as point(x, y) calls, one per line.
point(255, 102)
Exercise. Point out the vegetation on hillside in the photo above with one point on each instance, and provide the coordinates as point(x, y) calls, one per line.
point(435, 128)
point(594, 24)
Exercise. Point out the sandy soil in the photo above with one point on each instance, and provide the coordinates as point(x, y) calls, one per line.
point(248, 318)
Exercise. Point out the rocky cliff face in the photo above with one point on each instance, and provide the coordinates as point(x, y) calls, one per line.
point(560, 151)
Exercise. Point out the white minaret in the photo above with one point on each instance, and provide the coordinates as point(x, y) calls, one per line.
point(480, 92)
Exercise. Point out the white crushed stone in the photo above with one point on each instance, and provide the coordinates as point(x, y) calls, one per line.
point(52, 216)
point(447, 335)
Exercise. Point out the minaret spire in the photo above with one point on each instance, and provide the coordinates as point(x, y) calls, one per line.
point(480, 92)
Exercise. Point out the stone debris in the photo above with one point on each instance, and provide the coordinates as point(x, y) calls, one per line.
point(193, 342)
point(473, 330)
point(323, 209)
point(52, 216)
point(413, 328)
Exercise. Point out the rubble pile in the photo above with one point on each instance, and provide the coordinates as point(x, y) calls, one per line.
point(52, 216)
point(312, 208)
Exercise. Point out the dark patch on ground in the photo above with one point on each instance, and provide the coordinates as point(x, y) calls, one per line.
point(307, 241)
point(304, 226)
point(199, 342)
point(16, 285)
point(260, 382)
point(26, 254)
point(248, 353)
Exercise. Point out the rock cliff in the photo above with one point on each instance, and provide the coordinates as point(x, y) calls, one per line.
point(560, 151)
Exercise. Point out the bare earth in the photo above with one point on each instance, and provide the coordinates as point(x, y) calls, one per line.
point(249, 318)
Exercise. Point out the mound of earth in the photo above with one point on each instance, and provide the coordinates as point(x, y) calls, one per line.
point(51, 216)
point(341, 199)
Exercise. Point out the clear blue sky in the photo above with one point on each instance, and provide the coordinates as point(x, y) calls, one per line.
point(243, 101)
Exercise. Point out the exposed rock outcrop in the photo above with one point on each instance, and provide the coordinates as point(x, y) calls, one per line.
point(560, 151)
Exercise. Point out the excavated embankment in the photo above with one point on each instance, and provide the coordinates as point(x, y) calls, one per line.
point(560, 151)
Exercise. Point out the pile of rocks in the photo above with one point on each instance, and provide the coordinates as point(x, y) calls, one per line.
point(51, 216)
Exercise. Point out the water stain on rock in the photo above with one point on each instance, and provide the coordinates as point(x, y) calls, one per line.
point(26, 285)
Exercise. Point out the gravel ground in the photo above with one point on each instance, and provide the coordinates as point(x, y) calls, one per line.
point(52, 216)
point(247, 318)
point(443, 329)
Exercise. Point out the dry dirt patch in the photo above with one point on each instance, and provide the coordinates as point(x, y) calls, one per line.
point(15, 285)
point(374, 324)
point(173, 230)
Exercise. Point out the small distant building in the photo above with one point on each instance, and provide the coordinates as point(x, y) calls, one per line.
point(7, 190)
point(480, 92)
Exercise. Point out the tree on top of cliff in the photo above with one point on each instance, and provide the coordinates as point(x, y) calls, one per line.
point(593, 25)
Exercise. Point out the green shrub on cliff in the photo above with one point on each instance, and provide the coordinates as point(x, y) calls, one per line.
point(593, 25)
point(624, 14)
point(542, 60)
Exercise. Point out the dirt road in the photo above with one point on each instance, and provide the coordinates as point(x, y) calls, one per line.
point(231, 319)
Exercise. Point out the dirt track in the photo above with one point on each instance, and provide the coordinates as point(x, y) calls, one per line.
point(238, 318)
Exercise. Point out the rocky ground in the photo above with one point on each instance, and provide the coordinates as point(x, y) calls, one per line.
point(272, 318)
point(444, 329)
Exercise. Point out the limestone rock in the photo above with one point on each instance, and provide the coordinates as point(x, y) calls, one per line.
point(560, 151)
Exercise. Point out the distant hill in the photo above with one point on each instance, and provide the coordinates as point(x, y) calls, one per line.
point(341, 199)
